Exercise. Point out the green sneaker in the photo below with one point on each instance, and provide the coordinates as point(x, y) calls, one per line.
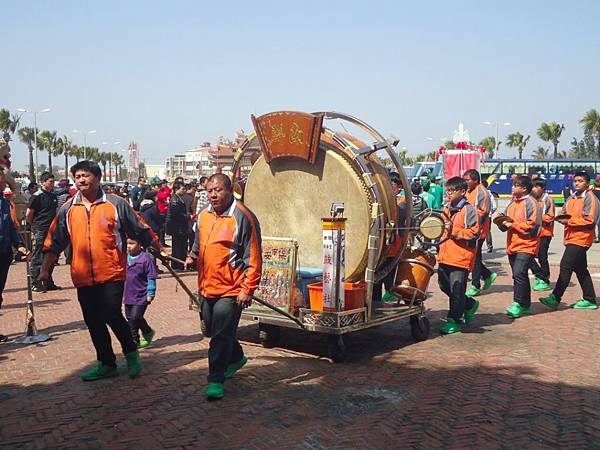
point(551, 301)
point(147, 339)
point(515, 311)
point(584, 304)
point(470, 313)
point(451, 326)
point(489, 281)
point(473, 291)
point(99, 371)
point(388, 297)
point(215, 391)
point(234, 367)
point(134, 365)
point(541, 285)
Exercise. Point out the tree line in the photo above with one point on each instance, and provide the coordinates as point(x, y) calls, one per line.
point(588, 147)
point(55, 146)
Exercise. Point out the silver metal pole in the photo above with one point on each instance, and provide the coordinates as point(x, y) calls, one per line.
point(35, 144)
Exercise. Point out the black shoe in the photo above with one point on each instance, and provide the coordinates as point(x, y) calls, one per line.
point(3, 338)
point(490, 249)
point(36, 288)
point(596, 241)
point(53, 287)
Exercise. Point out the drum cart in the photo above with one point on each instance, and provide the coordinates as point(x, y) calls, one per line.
point(335, 324)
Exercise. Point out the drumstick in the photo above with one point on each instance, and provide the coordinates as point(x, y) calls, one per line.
point(162, 257)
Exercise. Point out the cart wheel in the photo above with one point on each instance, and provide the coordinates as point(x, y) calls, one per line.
point(419, 328)
point(336, 348)
point(269, 335)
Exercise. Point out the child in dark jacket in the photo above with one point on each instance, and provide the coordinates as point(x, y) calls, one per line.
point(140, 289)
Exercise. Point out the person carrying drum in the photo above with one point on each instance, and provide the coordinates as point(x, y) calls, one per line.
point(480, 198)
point(522, 242)
point(228, 251)
point(456, 255)
point(581, 214)
point(542, 270)
point(396, 247)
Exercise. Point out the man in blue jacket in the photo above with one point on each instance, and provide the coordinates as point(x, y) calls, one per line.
point(9, 238)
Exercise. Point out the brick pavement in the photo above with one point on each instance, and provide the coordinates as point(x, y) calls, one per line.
point(529, 384)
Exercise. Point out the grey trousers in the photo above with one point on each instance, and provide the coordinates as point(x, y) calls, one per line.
point(222, 316)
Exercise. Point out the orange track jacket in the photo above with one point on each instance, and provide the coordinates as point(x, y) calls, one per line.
point(228, 249)
point(585, 213)
point(524, 235)
point(460, 250)
point(98, 237)
point(481, 200)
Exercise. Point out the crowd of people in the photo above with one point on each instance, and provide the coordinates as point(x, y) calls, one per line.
point(110, 237)
point(529, 223)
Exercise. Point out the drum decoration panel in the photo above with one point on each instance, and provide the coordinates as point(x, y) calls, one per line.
point(278, 280)
point(289, 133)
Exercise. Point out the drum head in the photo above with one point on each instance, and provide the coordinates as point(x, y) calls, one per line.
point(290, 196)
point(432, 227)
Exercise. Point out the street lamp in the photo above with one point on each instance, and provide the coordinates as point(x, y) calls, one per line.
point(497, 125)
point(35, 113)
point(85, 133)
point(110, 155)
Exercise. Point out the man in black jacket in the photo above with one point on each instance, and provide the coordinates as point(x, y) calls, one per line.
point(177, 224)
point(137, 193)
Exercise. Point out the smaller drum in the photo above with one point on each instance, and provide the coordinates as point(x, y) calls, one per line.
point(501, 220)
point(413, 273)
point(562, 217)
point(432, 227)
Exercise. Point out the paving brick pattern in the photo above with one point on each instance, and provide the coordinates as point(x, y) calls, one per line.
point(532, 383)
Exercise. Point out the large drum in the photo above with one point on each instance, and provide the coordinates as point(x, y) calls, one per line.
point(290, 196)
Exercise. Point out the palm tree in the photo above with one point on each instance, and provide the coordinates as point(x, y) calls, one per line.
point(92, 154)
point(449, 145)
point(47, 140)
point(66, 148)
point(591, 125)
point(118, 161)
point(550, 132)
point(27, 137)
point(490, 146)
point(541, 153)
point(103, 158)
point(517, 140)
point(8, 124)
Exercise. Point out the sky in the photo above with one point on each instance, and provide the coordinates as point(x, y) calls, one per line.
point(171, 75)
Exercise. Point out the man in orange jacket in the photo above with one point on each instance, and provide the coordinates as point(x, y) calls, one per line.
point(457, 255)
point(542, 270)
point(97, 226)
point(480, 198)
point(584, 210)
point(522, 242)
point(228, 251)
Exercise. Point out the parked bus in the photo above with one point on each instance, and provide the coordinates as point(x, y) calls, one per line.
point(558, 173)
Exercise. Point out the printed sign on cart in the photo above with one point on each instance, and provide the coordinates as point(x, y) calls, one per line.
point(334, 244)
point(278, 273)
